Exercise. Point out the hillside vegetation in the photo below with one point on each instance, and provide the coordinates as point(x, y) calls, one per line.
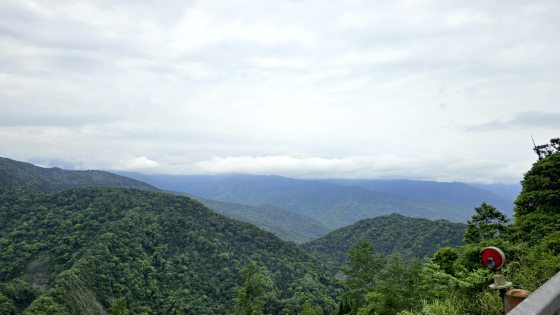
point(453, 281)
point(288, 225)
point(99, 250)
point(21, 174)
point(86, 250)
point(285, 224)
point(392, 234)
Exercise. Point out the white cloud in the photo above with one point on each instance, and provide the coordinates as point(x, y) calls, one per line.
point(418, 167)
point(466, 17)
point(138, 163)
point(276, 62)
point(300, 87)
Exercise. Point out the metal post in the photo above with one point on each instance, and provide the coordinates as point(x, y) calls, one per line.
point(494, 259)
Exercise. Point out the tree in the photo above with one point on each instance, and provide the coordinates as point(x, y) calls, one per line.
point(119, 307)
point(309, 309)
point(20, 292)
point(6, 306)
point(396, 288)
point(445, 258)
point(361, 271)
point(256, 285)
point(546, 150)
point(487, 223)
point(537, 210)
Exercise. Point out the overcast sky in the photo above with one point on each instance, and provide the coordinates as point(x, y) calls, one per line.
point(439, 90)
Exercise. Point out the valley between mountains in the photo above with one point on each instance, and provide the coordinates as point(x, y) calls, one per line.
point(94, 242)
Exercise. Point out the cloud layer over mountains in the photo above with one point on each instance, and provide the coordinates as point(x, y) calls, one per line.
point(415, 89)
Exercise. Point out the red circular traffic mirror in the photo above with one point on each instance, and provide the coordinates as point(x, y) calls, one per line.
point(493, 258)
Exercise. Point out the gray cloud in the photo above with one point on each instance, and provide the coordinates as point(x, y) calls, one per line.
point(22, 119)
point(189, 85)
point(525, 120)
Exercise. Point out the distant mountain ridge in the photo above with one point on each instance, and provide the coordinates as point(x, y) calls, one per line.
point(391, 234)
point(509, 191)
point(285, 224)
point(15, 173)
point(459, 194)
point(333, 205)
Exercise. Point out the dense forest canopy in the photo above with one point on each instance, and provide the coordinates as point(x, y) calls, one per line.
point(21, 174)
point(287, 225)
point(83, 249)
point(392, 234)
point(453, 281)
point(93, 250)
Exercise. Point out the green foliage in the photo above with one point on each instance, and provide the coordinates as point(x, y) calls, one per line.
point(537, 211)
point(453, 281)
point(531, 245)
point(392, 234)
point(487, 223)
point(546, 150)
point(119, 307)
point(379, 285)
point(89, 250)
point(361, 272)
point(70, 288)
point(257, 287)
point(535, 265)
point(6, 305)
point(445, 258)
point(397, 287)
point(18, 292)
point(46, 305)
point(287, 225)
point(20, 174)
point(445, 307)
point(162, 254)
point(309, 309)
point(308, 291)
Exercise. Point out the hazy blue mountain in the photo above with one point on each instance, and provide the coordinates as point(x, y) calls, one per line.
point(285, 224)
point(461, 195)
point(331, 204)
point(391, 234)
point(15, 173)
point(509, 191)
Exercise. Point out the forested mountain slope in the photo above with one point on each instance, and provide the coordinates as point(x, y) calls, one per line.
point(454, 281)
point(392, 234)
point(459, 194)
point(287, 225)
point(84, 250)
point(332, 205)
point(15, 173)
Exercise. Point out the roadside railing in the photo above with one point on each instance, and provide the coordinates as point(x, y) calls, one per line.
point(544, 301)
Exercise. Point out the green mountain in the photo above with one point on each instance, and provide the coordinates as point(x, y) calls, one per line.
point(391, 234)
point(289, 226)
point(86, 250)
point(285, 224)
point(21, 174)
point(331, 204)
